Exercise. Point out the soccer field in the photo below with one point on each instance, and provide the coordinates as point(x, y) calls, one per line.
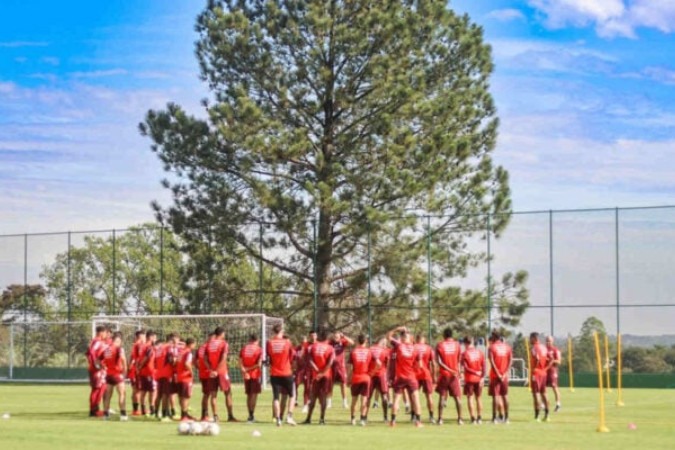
point(55, 417)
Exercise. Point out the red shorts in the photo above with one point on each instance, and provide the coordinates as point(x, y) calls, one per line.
point(498, 388)
point(552, 377)
point(449, 384)
point(321, 386)
point(401, 384)
point(132, 375)
point(300, 377)
point(379, 383)
point(97, 379)
point(147, 384)
point(114, 380)
point(224, 382)
point(184, 389)
point(252, 386)
point(473, 388)
point(163, 386)
point(538, 383)
point(362, 388)
point(426, 385)
point(339, 373)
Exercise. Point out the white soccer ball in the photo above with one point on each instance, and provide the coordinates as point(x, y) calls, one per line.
point(5, 416)
point(183, 428)
point(214, 429)
point(256, 433)
point(206, 428)
point(196, 428)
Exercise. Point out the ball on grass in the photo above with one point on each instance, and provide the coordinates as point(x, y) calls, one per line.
point(256, 433)
point(183, 428)
point(5, 416)
point(214, 429)
point(196, 428)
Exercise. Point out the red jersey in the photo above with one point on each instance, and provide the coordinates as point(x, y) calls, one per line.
point(553, 354)
point(448, 353)
point(280, 352)
point(407, 359)
point(112, 360)
point(250, 355)
point(184, 366)
point(361, 359)
point(426, 354)
point(216, 351)
point(380, 354)
point(301, 356)
point(538, 361)
point(163, 365)
point(136, 352)
point(474, 360)
point(321, 354)
point(500, 354)
point(339, 347)
point(147, 369)
point(96, 348)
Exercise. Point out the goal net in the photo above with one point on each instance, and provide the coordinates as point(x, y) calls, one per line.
point(237, 327)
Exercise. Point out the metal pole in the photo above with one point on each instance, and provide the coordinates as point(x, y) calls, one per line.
point(550, 268)
point(370, 311)
point(11, 351)
point(25, 299)
point(161, 270)
point(429, 277)
point(618, 279)
point(260, 269)
point(70, 296)
point(114, 272)
point(316, 297)
point(489, 274)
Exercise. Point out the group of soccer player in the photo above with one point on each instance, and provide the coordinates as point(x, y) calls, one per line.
point(398, 367)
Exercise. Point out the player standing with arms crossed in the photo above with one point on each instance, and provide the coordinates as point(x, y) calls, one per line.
point(204, 379)
point(250, 361)
point(378, 379)
point(473, 363)
point(424, 373)
point(500, 357)
point(539, 363)
point(115, 363)
point(553, 358)
point(321, 358)
point(280, 354)
point(407, 360)
point(448, 354)
point(361, 361)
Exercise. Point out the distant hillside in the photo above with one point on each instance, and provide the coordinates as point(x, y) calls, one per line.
point(631, 340)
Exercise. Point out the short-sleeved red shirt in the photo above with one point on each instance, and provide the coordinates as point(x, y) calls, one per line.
point(426, 354)
point(473, 359)
point(538, 361)
point(320, 353)
point(500, 353)
point(339, 347)
point(250, 355)
point(360, 359)
point(280, 353)
point(216, 351)
point(406, 359)
point(449, 353)
point(380, 354)
point(553, 354)
point(184, 366)
point(148, 369)
point(96, 348)
point(112, 360)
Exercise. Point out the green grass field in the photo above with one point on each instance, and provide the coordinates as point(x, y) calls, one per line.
point(54, 417)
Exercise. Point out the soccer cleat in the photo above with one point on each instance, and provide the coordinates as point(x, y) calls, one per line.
point(506, 422)
point(362, 423)
point(479, 421)
point(345, 404)
point(136, 413)
point(496, 421)
point(375, 405)
point(460, 422)
point(432, 421)
point(440, 422)
point(124, 418)
point(322, 422)
point(307, 422)
point(204, 419)
point(250, 420)
point(305, 409)
point(185, 419)
point(290, 421)
point(278, 422)
point(557, 407)
point(392, 423)
point(547, 419)
point(166, 419)
point(418, 424)
point(99, 413)
point(329, 403)
point(232, 419)
point(353, 421)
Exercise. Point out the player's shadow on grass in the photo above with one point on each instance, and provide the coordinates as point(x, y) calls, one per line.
point(63, 415)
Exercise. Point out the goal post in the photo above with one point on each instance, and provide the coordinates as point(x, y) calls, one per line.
point(237, 327)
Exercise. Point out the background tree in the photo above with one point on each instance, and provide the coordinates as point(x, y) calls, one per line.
point(19, 301)
point(348, 129)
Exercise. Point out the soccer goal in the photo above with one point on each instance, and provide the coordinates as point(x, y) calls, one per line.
point(237, 327)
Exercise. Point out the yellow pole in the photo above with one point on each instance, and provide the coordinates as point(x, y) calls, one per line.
point(570, 366)
point(602, 428)
point(619, 399)
point(609, 383)
point(529, 364)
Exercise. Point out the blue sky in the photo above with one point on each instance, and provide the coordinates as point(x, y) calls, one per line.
point(585, 91)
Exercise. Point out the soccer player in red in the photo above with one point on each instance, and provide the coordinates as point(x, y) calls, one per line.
point(500, 357)
point(280, 354)
point(473, 363)
point(553, 359)
point(115, 363)
point(160, 376)
point(361, 361)
point(250, 361)
point(340, 343)
point(321, 358)
point(146, 373)
point(96, 371)
point(408, 360)
point(136, 350)
point(378, 377)
point(539, 363)
point(204, 379)
point(216, 363)
point(425, 372)
point(448, 354)
point(184, 378)
point(303, 371)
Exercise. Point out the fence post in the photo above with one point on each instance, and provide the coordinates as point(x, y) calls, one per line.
point(550, 269)
point(618, 274)
point(114, 272)
point(489, 272)
point(314, 250)
point(70, 296)
point(11, 351)
point(25, 298)
point(429, 277)
point(161, 269)
point(370, 310)
point(260, 269)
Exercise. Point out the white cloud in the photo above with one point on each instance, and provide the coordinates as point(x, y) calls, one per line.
point(99, 73)
point(506, 15)
point(609, 17)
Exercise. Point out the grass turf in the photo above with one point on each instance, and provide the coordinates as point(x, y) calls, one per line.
point(54, 417)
